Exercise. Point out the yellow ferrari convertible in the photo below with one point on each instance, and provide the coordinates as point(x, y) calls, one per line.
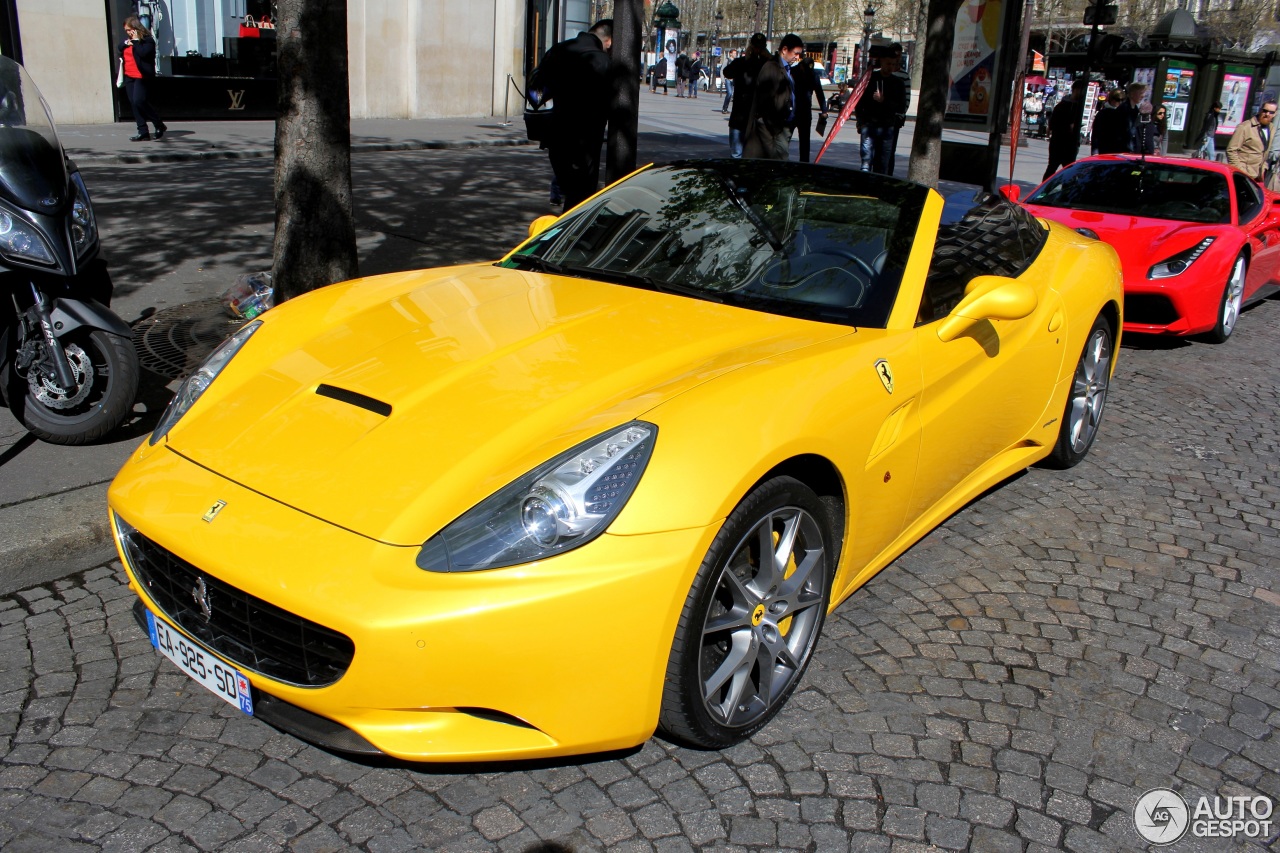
point(613, 482)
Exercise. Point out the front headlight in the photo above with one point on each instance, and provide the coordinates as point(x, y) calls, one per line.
point(554, 508)
point(21, 241)
point(1177, 264)
point(84, 228)
point(196, 384)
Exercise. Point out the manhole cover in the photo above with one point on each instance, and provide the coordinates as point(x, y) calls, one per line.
point(174, 341)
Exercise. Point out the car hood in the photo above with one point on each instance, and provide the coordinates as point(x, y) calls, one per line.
point(1140, 242)
point(488, 372)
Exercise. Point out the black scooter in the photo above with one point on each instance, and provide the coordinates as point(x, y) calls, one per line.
point(68, 369)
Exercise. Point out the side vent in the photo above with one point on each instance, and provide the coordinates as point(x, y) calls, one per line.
point(358, 400)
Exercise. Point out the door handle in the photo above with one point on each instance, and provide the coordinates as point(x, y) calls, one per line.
point(1055, 322)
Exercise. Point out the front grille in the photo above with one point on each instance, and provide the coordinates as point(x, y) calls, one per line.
point(1149, 309)
point(246, 630)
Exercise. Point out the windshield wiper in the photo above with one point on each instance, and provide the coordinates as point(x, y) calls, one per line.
point(647, 282)
point(731, 189)
point(537, 264)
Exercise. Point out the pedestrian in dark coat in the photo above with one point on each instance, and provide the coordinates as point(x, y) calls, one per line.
point(879, 113)
point(138, 54)
point(575, 75)
point(774, 107)
point(1110, 127)
point(807, 86)
point(1065, 121)
point(742, 72)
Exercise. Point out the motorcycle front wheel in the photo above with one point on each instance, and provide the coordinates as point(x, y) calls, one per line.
point(105, 367)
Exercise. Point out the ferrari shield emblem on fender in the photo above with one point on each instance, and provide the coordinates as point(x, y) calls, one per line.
point(214, 510)
point(886, 375)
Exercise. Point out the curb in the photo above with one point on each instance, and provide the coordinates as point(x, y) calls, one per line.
point(51, 537)
point(85, 156)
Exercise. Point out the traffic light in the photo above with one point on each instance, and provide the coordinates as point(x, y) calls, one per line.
point(1103, 48)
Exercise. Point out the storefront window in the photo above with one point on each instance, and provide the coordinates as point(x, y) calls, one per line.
point(205, 38)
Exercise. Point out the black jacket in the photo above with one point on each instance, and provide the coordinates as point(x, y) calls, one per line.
point(888, 112)
point(1209, 128)
point(1064, 125)
point(743, 71)
point(144, 54)
point(575, 74)
point(1111, 131)
point(805, 78)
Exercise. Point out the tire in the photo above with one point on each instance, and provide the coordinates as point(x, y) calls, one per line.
point(109, 363)
point(748, 630)
point(1088, 399)
point(1229, 306)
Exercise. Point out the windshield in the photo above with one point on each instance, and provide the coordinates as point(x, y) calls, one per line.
point(807, 241)
point(33, 172)
point(1137, 188)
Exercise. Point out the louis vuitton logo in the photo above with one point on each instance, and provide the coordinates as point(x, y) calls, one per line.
point(237, 99)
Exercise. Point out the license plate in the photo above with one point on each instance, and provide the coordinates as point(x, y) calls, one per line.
point(228, 684)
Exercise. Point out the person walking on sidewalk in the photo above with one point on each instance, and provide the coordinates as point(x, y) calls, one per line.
point(138, 55)
point(575, 76)
point(807, 85)
point(1250, 144)
point(773, 109)
point(880, 111)
point(1065, 121)
point(741, 75)
point(728, 84)
point(1206, 148)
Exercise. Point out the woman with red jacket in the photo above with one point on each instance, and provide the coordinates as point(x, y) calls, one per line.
point(139, 56)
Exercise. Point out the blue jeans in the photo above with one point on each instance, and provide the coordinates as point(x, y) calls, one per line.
point(1207, 149)
point(728, 95)
point(878, 145)
point(735, 144)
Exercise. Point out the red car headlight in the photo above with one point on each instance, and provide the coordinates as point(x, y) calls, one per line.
point(1178, 264)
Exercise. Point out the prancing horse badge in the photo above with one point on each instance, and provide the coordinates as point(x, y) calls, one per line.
point(886, 375)
point(214, 510)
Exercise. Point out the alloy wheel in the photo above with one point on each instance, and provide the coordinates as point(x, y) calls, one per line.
point(1089, 390)
point(764, 619)
point(1234, 296)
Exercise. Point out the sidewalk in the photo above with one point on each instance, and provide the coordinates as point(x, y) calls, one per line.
point(53, 518)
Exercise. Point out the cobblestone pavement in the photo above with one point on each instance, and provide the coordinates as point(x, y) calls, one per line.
point(1013, 683)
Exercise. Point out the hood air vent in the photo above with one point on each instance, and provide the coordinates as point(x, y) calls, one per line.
point(359, 400)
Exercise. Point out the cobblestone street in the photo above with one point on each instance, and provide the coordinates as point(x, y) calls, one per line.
point(1014, 683)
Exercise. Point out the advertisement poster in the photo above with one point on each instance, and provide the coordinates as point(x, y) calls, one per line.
point(1235, 100)
point(973, 63)
point(1177, 116)
point(1177, 83)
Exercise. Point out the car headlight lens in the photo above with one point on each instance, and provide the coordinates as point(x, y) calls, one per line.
point(19, 240)
point(84, 228)
point(199, 381)
point(554, 508)
point(1177, 264)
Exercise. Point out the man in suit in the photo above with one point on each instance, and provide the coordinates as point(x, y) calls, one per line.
point(1251, 141)
point(807, 84)
point(774, 106)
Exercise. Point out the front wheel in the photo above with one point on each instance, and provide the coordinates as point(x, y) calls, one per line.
point(1229, 307)
point(105, 367)
point(752, 618)
point(1083, 415)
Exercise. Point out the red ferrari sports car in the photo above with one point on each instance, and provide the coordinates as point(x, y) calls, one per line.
point(1197, 240)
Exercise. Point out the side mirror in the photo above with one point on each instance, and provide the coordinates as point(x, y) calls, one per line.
point(541, 224)
point(1011, 193)
point(988, 297)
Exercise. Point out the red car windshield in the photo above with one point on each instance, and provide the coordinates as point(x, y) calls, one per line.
point(1136, 188)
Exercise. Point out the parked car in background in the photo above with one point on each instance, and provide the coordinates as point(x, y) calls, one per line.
point(1198, 240)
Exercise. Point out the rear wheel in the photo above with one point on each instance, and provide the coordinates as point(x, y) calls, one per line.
point(105, 367)
point(1229, 307)
point(1083, 415)
point(752, 618)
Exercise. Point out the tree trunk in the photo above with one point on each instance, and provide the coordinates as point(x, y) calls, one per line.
point(315, 242)
point(935, 80)
point(624, 83)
